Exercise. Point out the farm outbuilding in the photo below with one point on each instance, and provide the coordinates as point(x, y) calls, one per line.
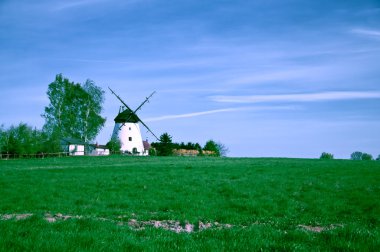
point(147, 146)
point(74, 147)
point(99, 150)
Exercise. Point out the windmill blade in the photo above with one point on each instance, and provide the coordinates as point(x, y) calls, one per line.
point(146, 100)
point(120, 99)
point(139, 107)
point(121, 126)
point(149, 129)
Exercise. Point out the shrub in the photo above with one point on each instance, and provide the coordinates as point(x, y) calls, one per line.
point(212, 147)
point(152, 152)
point(357, 155)
point(114, 145)
point(165, 146)
point(326, 155)
point(367, 156)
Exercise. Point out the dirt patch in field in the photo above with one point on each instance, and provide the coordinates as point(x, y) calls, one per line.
point(55, 217)
point(15, 216)
point(319, 229)
point(176, 226)
point(170, 225)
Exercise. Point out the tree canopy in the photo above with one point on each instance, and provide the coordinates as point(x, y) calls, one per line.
point(165, 146)
point(357, 155)
point(218, 148)
point(74, 109)
point(24, 139)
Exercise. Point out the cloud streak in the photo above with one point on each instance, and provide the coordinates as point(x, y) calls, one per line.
point(208, 112)
point(74, 4)
point(367, 32)
point(306, 97)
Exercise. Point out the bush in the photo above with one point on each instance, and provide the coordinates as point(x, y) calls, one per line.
point(25, 140)
point(165, 146)
point(378, 158)
point(326, 155)
point(367, 156)
point(152, 152)
point(114, 145)
point(357, 155)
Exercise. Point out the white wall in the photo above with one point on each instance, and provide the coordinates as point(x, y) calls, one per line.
point(129, 136)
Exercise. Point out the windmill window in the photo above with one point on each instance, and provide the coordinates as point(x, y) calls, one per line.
point(130, 139)
point(129, 128)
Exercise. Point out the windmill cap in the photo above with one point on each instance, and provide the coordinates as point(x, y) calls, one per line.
point(126, 116)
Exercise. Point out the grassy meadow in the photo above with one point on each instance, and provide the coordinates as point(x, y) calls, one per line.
point(122, 203)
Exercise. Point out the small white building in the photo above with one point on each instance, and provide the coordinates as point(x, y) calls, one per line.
point(99, 150)
point(74, 147)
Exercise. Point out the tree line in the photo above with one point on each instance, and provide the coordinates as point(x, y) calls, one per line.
point(357, 155)
point(166, 147)
point(25, 140)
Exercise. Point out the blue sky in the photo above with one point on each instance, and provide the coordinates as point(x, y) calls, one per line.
point(282, 78)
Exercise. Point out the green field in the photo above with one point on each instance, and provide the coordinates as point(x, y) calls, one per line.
point(169, 203)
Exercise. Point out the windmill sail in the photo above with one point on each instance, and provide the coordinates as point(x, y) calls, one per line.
point(127, 128)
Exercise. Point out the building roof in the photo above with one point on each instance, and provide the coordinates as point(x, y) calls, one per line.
point(146, 145)
point(101, 146)
point(127, 116)
point(72, 141)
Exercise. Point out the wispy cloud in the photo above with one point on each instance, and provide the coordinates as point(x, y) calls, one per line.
point(208, 112)
point(367, 32)
point(306, 97)
point(72, 4)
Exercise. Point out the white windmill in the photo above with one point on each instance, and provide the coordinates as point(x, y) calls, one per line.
point(127, 129)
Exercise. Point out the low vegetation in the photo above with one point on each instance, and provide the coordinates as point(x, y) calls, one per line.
point(357, 155)
point(123, 203)
point(326, 155)
point(166, 147)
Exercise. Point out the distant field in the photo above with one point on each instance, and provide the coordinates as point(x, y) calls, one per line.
point(170, 203)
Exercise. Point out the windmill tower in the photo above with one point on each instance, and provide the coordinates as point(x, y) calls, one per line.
point(127, 128)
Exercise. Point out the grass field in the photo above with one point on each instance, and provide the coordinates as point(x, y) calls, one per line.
point(170, 203)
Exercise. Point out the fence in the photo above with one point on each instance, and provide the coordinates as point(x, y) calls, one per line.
point(38, 155)
point(6, 156)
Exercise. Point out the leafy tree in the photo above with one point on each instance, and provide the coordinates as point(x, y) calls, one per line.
point(218, 148)
point(378, 158)
point(198, 147)
point(367, 156)
point(211, 145)
point(23, 139)
point(52, 143)
point(114, 145)
point(166, 138)
point(93, 100)
point(165, 146)
point(182, 145)
point(223, 150)
point(326, 155)
point(3, 139)
point(357, 155)
point(74, 110)
point(152, 152)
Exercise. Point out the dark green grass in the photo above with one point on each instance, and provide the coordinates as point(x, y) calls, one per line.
point(266, 201)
